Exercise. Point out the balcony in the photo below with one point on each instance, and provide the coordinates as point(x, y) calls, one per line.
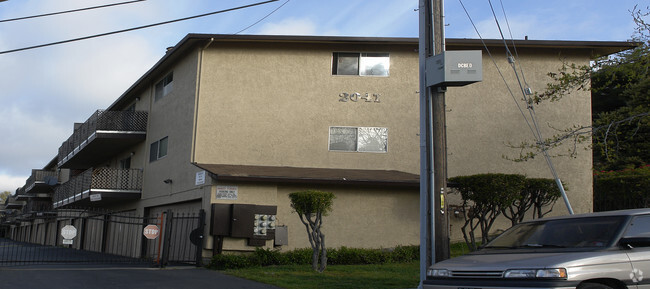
point(103, 135)
point(40, 184)
point(13, 203)
point(21, 195)
point(95, 187)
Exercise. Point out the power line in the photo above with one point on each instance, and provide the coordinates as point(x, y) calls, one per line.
point(505, 82)
point(533, 117)
point(531, 110)
point(262, 19)
point(135, 28)
point(69, 11)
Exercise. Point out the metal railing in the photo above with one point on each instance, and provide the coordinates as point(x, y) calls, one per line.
point(125, 180)
point(103, 120)
point(39, 176)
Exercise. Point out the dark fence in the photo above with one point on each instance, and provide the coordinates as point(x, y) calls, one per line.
point(85, 236)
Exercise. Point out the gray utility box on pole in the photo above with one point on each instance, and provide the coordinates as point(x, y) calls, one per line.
point(454, 68)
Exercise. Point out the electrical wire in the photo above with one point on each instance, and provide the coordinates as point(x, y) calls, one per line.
point(136, 28)
point(531, 111)
point(262, 19)
point(70, 11)
point(505, 82)
point(514, 45)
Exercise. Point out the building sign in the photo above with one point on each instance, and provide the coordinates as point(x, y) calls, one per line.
point(226, 192)
point(200, 178)
point(95, 197)
point(359, 97)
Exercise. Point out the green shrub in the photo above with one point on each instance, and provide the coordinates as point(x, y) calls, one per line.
point(339, 256)
point(267, 257)
point(230, 261)
point(405, 254)
point(299, 256)
point(626, 189)
point(352, 256)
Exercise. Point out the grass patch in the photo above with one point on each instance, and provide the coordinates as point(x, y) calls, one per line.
point(394, 275)
point(347, 267)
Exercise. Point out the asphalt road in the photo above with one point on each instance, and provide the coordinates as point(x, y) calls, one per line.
point(98, 277)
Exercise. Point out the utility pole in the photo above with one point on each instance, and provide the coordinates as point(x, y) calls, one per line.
point(438, 70)
point(434, 233)
point(439, 143)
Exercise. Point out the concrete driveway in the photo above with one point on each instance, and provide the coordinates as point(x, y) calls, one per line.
point(103, 277)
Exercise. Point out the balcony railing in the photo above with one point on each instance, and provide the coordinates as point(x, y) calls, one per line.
point(41, 177)
point(13, 203)
point(103, 122)
point(99, 185)
point(21, 195)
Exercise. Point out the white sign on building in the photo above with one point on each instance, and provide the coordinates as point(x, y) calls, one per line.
point(226, 192)
point(200, 178)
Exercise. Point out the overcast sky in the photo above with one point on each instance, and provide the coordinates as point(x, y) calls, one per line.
point(44, 91)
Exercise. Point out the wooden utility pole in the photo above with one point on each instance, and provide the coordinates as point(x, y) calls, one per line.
point(440, 144)
point(434, 227)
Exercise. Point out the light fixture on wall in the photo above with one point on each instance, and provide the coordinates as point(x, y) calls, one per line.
point(168, 181)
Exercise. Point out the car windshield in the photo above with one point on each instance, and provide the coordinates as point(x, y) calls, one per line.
point(561, 233)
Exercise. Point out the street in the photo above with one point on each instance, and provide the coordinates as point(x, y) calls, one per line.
point(105, 277)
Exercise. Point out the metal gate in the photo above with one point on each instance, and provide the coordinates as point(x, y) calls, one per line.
point(93, 237)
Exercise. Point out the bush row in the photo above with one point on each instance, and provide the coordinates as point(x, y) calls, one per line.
point(626, 189)
point(335, 256)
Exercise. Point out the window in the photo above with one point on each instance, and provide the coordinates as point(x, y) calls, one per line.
point(640, 227)
point(358, 139)
point(125, 163)
point(158, 150)
point(364, 64)
point(164, 86)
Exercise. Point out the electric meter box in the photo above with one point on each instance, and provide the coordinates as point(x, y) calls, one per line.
point(454, 68)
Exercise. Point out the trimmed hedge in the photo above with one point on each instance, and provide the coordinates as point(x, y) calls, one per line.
point(626, 189)
point(335, 256)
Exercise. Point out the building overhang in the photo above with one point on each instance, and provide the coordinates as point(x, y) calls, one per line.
point(301, 175)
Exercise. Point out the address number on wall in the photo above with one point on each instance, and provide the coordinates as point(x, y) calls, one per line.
point(359, 97)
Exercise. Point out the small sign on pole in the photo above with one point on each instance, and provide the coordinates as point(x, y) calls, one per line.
point(151, 232)
point(68, 232)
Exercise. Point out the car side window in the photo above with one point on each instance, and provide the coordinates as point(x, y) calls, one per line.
point(639, 227)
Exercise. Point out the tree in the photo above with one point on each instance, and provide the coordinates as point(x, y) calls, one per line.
point(311, 206)
point(485, 197)
point(620, 87)
point(536, 194)
point(3, 196)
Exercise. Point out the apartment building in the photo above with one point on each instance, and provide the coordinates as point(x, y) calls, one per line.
point(233, 124)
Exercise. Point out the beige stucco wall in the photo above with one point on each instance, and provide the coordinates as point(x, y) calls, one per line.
point(360, 217)
point(264, 104)
point(273, 106)
point(483, 118)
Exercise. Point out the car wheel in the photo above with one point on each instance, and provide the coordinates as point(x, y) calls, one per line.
point(594, 286)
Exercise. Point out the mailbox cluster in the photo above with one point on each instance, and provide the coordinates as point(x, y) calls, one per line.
point(257, 223)
point(263, 223)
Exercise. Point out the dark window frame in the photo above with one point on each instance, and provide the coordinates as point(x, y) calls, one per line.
point(158, 149)
point(164, 86)
point(352, 64)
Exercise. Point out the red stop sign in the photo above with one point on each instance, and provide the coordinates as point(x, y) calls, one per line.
point(151, 231)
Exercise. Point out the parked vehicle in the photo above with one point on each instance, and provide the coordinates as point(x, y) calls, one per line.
point(604, 250)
